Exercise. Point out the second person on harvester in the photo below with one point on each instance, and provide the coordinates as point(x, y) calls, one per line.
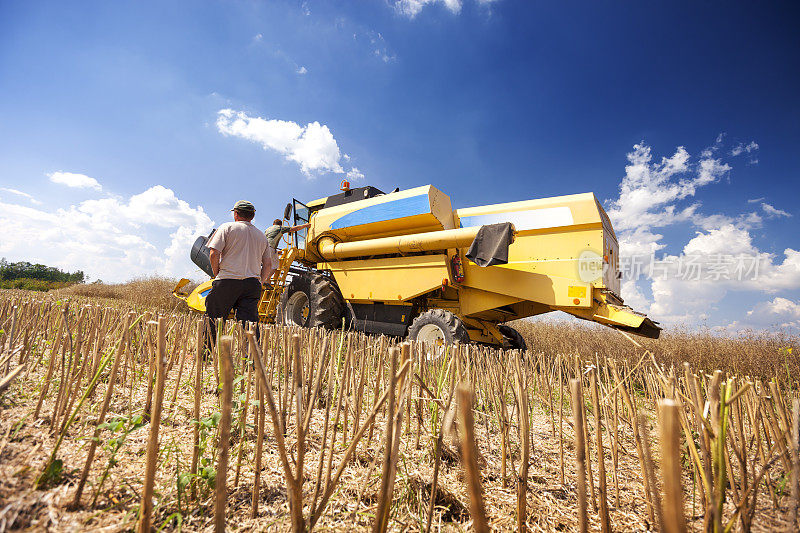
point(277, 230)
point(241, 260)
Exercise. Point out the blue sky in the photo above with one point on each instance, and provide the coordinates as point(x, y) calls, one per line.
point(128, 128)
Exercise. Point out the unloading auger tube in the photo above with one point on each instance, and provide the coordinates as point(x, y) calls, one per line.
point(331, 250)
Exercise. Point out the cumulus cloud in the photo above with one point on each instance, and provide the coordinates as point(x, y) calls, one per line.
point(656, 196)
point(302, 70)
point(23, 194)
point(72, 179)
point(778, 306)
point(725, 240)
point(110, 238)
point(650, 191)
point(780, 312)
point(311, 146)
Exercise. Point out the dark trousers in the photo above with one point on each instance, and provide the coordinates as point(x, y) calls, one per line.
point(240, 295)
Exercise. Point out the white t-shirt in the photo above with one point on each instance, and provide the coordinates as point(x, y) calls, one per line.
point(243, 248)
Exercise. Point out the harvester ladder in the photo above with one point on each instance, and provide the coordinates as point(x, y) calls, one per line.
point(268, 303)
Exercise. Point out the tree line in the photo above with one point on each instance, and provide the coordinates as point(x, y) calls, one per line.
point(35, 276)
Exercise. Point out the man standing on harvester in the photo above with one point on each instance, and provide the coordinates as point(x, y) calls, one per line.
point(276, 231)
point(241, 260)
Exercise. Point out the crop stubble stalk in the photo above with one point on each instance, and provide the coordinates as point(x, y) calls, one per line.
point(221, 483)
point(259, 447)
point(198, 392)
point(669, 437)
point(243, 423)
point(576, 388)
point(380, 515)
point(146, 507)
point(601, 465)
point(296, 505)
point(469, 452)
point(524, 418)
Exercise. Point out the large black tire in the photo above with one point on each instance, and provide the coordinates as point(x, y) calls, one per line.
point(327, 303)
point(451, 327)
point(296, 313)
point(512, 338)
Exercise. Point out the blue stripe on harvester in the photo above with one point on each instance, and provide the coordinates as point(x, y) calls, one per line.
point(400, 208)
point(205, 292)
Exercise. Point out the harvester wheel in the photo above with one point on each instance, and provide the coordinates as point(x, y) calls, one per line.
point(327, 304)
point(512, 338)
point(438, 326)
point(294, 307)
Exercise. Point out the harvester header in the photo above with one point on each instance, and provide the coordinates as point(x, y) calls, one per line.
point(407, 264)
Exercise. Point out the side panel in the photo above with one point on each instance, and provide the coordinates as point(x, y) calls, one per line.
point(547, 290)
point(475, 301)
point(389, 279)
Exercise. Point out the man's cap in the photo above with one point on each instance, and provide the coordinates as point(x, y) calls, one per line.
point(244, 206)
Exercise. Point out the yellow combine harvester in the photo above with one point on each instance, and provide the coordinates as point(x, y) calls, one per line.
point(406, 264)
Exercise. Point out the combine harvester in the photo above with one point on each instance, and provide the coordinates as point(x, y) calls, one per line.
point(406, 264)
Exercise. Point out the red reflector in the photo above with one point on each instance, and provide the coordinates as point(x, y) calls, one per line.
point(576, 301)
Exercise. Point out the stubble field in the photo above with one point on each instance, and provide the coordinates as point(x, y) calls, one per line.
point(112, 419)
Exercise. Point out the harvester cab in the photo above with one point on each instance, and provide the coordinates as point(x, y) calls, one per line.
point(407, 264)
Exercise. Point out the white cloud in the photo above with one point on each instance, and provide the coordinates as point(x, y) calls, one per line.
point(355, 174)
point(775, 276)
point(111, 238)
point(302, 70)
point(749, 149)
point(71, 179)
point(778, 306)
point(773, 212)
point(312, 147)
point(744, 148)
point(655, 195)
point(411, 8)
point(725, 240)
point(755, 200)
point(33, 200)
point(778, 312)
point(709, 171)
point(650, 192)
